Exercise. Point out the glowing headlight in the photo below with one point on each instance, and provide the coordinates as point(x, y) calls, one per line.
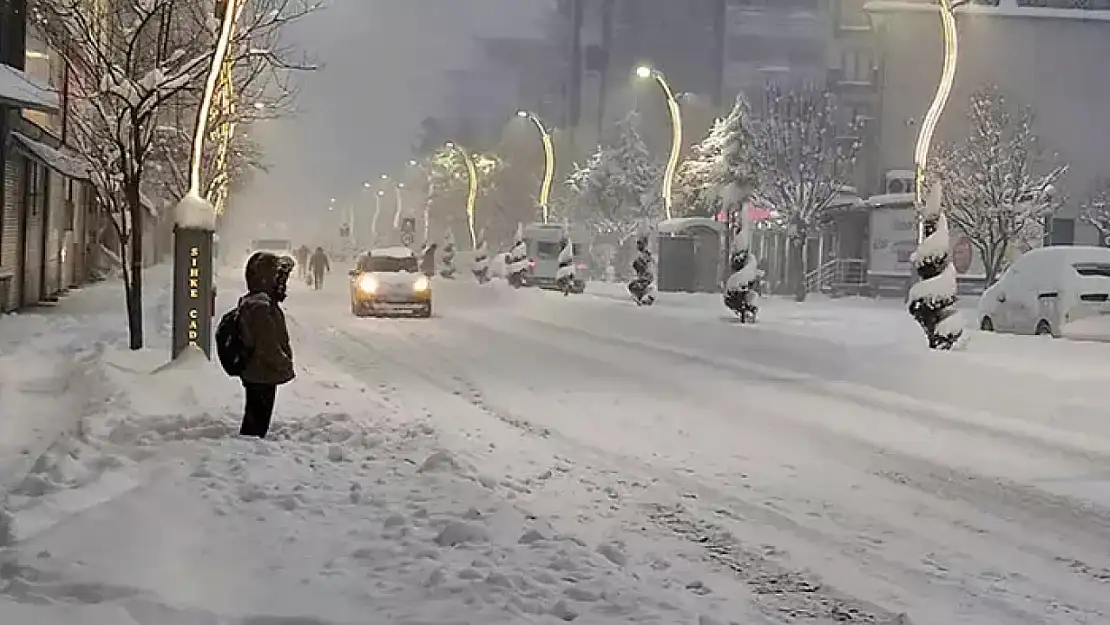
point(367, 284)
point(421, 284)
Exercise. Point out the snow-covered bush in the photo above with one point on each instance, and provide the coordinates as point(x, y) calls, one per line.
point(480, 268)
point(516, 263)
point(933, 296)
point(740, 289)
point(1095, 209)
point(447, 259)
point(565, 275)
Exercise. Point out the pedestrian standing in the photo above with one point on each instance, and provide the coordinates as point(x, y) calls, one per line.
point(269, 362)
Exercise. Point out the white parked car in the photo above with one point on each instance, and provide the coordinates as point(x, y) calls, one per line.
point(1058, 291)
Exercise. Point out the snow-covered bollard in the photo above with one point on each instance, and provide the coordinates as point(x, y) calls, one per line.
point(447, 269)
point(193, 294)
point(740, 294)
point(565, 276)
point(516, 263)
point(481, 263)
point(933, 297)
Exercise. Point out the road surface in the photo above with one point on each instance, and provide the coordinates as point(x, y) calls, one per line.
point(832, 482)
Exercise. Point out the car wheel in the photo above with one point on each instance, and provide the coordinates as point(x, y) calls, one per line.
point(1043, 329)
point(986, 325)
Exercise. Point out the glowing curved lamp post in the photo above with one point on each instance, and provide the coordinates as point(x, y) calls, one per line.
point(940, 100)
point(549, 161)
point(193, 292)
point(472, 193)
point(644, 72)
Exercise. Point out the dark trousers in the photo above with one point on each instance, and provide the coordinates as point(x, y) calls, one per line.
point(259, 410)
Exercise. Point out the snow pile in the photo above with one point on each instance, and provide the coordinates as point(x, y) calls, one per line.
point(193, 211)
point(933, 297)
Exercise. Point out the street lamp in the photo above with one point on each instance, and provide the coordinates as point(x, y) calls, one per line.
point(644, 72)
point(549, 160)
point(398, 190)
point(940, 100)
point(472, 193)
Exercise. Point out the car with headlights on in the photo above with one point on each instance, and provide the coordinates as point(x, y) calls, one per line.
point(388, 281)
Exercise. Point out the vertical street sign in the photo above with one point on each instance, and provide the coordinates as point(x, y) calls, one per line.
point(193, 301)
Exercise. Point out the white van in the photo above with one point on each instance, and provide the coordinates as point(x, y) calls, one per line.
point(544, 243)
point(1057, 290)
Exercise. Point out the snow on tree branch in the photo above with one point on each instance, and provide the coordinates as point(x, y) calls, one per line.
point(618, 188)
point(809, 155)
point(998, 190)
point(1095, 209)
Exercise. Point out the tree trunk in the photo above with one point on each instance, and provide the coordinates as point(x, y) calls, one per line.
point(135, 288)
point(799, 263)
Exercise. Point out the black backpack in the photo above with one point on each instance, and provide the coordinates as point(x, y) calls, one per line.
point(230, 346)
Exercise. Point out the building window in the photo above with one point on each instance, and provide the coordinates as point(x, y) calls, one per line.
point(857, 65)
point(36, 187)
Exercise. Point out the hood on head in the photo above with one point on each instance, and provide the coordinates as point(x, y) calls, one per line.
point(266, 271)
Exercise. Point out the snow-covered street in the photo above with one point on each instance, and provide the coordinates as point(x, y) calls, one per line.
point(525, 457)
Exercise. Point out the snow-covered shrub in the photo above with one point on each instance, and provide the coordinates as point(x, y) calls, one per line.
point(642, 287)
point(447, 268)
point(480, 268)
point(933, 297)
point(565, 276)
point(740, 294)
point(516, 264)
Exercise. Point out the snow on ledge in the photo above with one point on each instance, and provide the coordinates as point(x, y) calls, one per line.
point(193, 211)
point(1004, 9)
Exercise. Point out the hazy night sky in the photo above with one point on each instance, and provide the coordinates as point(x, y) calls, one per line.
point(359, 115)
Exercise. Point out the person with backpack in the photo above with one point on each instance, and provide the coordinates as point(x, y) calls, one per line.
point(252, 340)
point(319, 265)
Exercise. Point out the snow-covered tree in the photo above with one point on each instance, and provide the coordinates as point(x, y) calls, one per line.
point(127, 61)
point(1095, 209)
point(998, 191)
point(808, 158)
point(516, 261)
point(933, 296)
point(565, 274)
point(695, 191)
point(480, 268)
point(618, 188)
point(736, 169)
point(448, 183)
point(447, 259)
point(740, 289)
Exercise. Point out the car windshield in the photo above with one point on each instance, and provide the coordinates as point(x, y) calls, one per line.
point(547, 250)
point(271, 244)
point(388, 264)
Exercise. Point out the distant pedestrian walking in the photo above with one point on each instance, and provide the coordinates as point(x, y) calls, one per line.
point(302, 261)
point(319, 265)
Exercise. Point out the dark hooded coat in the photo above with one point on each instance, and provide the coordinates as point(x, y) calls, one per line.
point(263, 322)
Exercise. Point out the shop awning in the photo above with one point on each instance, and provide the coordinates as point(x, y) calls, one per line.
point(19, 89)
point(60, 160)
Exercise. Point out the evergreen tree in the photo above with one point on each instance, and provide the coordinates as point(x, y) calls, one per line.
point(481, 262)
point(516, 261)
point(933, 297)
point(565, 275)
point(740, 289)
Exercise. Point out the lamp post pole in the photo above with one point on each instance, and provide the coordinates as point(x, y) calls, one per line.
point(549, 162)
point(472, 188)
point(645, 72)
point(195, 220)
point(940, 101)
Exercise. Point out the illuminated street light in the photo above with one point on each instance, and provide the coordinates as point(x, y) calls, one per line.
point(644, 72)
point(940, 100)
point(549, 161)
point(412, 163)
point(472, 194)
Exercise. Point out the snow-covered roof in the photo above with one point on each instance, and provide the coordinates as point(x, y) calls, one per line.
point(1005, 8)
point(19, 89)
point(887, 200)
point(678, 224)
point(392, 252)
point(60, 160)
